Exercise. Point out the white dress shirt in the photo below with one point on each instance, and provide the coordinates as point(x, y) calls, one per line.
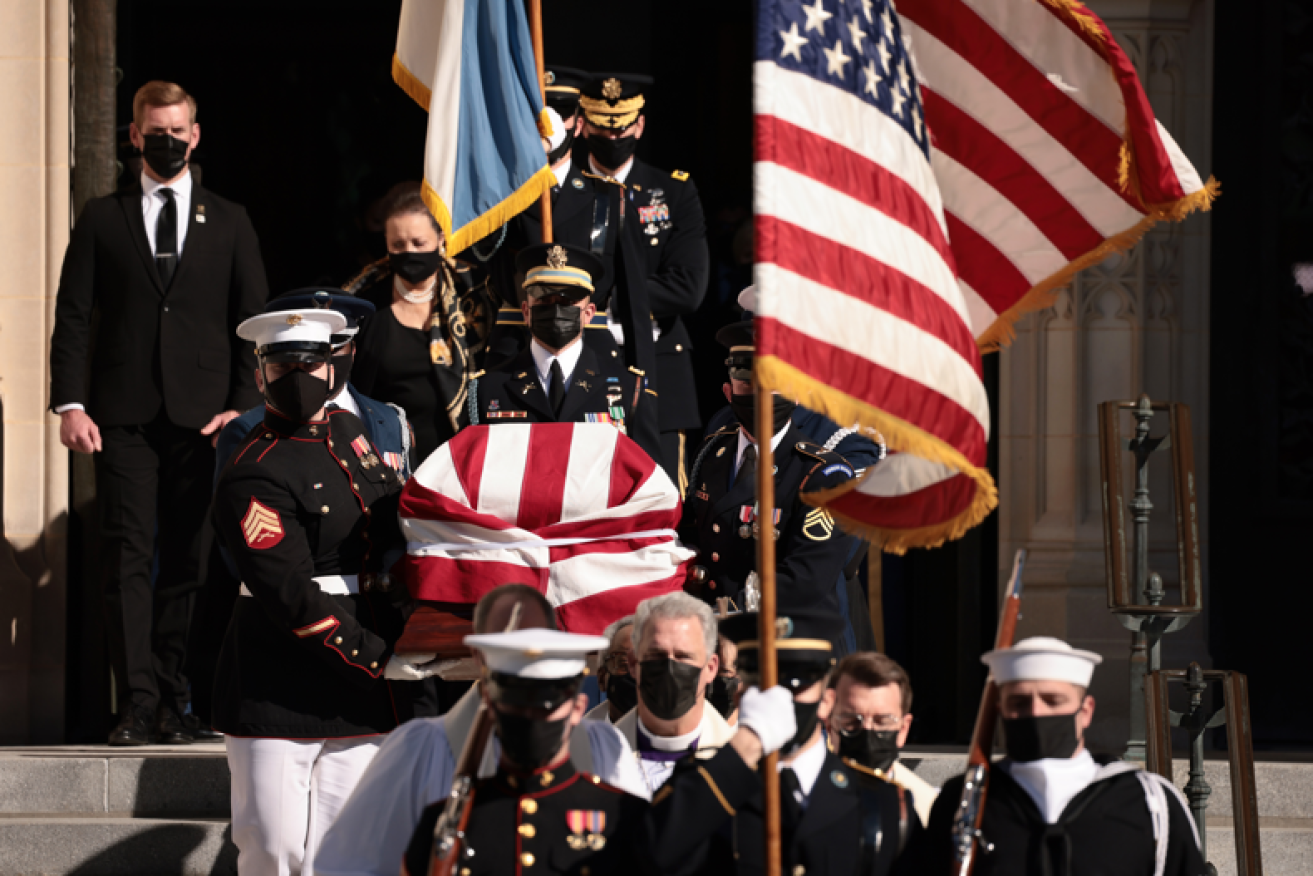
point(745, 442)
point(152, 202)
point(621, 174)
point(562, 170)
point(151, 205)
point(543, 359)
point(347, 403)
point(807, 766)
point(1053, 782)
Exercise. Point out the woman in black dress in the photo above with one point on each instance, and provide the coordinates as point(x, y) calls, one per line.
point(423, 344)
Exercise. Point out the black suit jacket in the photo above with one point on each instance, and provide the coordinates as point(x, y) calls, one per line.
point(174, 347)
point(601, 390)
point(665, 231)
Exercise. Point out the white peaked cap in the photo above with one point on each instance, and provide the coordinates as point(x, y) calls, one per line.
point(537, 653)
point(314, 326)
point(748, 299)
point(1042, 658)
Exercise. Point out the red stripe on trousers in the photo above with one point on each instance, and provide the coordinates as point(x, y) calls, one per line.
point(981, 151)
point(910, 400)
point(856, 274)
point(851, 173)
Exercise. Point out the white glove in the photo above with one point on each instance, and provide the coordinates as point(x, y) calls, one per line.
point(769, 714)
point(558, 130)
point(406, 667)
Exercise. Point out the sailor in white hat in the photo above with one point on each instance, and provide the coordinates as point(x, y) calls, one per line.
point(307, 510)
point(1053, 807)
point(540, 814)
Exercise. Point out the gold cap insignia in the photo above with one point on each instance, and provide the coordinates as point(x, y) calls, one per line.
point(549, 78)
point(611, 88)
point(557, 257)
point(294, 319)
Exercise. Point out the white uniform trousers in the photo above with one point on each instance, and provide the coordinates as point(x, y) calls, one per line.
point(286, 793)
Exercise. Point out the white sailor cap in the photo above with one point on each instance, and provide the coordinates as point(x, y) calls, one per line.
point(1042, 658)
point(537, 654)
point(292, 334)
point(748, 299)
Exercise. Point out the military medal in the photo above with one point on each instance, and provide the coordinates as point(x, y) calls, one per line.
point(586, 826)
point(746, 515)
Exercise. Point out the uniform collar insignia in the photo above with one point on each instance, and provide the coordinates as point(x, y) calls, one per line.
point(281, 427)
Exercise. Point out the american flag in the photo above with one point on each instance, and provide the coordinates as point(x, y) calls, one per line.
point(1047, 152)
point(860, 314)
point(576, 510)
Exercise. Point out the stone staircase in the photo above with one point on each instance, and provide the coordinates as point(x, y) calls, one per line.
point(96, 811)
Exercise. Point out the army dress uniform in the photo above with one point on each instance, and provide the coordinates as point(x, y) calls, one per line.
point(833, 820)
point(306, 510)
point(721, 521)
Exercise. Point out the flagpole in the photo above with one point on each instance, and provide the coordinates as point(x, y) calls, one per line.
point(536, 34)
point(768, 670)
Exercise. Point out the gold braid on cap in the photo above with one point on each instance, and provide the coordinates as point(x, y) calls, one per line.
point(612, 114)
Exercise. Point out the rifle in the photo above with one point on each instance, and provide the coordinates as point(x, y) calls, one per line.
point(967, 838)
point(449, 833)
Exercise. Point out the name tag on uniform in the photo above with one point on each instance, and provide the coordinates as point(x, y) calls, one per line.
point(507, 415)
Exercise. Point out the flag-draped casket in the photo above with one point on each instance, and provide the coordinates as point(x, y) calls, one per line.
point(575, 510)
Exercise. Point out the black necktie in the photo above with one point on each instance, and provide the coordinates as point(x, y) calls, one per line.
point(556, 394)
point(166, 238)
point(790, 808)
point(748, 469)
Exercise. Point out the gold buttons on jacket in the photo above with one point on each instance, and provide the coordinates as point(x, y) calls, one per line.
point(355, 653)
point(355, 486)
point(679, 348)
point(529, 805)
point(800, 870)
point(654, 241)
point(374, 665)
point(528, 830)
point(268, 436)
point(715, 527)
point(527, 859)
point(338, 640)
point(344, 465)
point(323, 510)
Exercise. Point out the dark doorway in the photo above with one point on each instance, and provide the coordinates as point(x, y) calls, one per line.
point(1262, 362)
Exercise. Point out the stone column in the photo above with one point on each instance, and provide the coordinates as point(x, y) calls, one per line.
point(34, 228)
point(1137, 322)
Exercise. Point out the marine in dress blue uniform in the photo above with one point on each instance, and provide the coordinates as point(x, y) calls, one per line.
point(307, 509)
point(722, 520)
point(559, 378)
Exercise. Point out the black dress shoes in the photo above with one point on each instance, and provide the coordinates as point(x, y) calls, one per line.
point(134, 728)
point(200, 732)
point(169, 730)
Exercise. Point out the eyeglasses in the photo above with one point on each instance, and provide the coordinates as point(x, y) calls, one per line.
point(617, 664)
point(850, 722)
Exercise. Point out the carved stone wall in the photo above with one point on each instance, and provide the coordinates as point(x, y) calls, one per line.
point(1137, 322)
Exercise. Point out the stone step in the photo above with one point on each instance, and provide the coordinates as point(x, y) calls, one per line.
point(111, 846)
point(156, 781)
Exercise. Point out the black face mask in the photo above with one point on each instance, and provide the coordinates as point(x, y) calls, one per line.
point(623, 691)
point(529, 743)
point(297, 395)
point(720, 693)
point(414, 267)
point(555, 324)
point(165, 154)
point(804, 714)
point(341, 363)
point(559, 152)
point(745, 409)
point(669, 688)
point(1038, 738)
point(610, 153)
point(873, 749)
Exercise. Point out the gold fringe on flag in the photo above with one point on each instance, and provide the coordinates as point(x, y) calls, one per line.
point(900, 436)
point(410, 83)
point(1043, 293)
point(517, 202)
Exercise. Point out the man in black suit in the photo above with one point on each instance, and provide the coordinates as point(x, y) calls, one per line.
point(170, 270)
point(648, 228)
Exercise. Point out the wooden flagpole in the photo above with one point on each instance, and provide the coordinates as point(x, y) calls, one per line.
point(770, 777)
point(536, 34)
